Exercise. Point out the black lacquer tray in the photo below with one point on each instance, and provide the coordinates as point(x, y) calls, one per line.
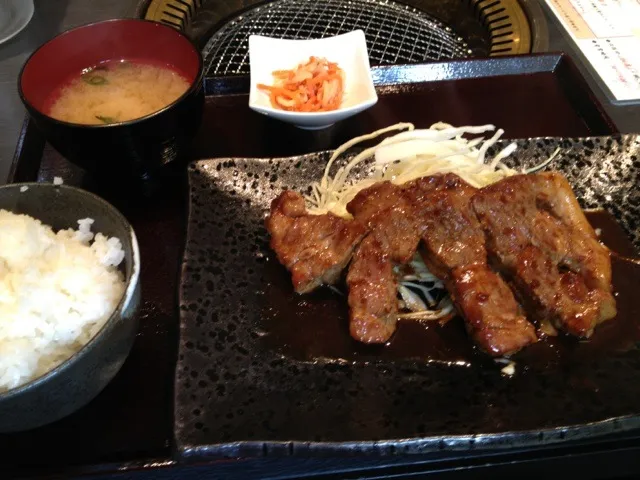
point(130, 426)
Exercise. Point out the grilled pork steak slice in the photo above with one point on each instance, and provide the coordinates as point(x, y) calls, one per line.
point(454, 250)
point(393, 238)
point(542, 241)
point(314, 248)
point(583, 253)
point(492, 316)
point(373, 303)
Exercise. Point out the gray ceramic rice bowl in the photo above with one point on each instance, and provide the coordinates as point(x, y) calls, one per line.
point(76, 381)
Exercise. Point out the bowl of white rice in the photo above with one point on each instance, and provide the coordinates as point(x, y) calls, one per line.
point(69, 292)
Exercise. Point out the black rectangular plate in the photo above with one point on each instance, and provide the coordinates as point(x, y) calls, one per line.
point(238, 393)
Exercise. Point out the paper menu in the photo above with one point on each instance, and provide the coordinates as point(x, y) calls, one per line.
point(607, 32)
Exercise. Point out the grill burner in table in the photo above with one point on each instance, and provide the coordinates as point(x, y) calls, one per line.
point(411, 32)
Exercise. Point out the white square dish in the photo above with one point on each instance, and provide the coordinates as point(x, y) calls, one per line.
point(349, 51)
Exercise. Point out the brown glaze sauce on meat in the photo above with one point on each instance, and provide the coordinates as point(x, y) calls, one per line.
point(315, 326)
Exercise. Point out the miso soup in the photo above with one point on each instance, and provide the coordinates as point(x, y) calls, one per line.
point(116, 92)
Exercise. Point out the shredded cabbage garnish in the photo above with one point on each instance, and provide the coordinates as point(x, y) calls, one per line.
point(409, 155)
point(415, 290)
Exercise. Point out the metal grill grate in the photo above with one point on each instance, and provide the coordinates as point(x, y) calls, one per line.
point(395, 33)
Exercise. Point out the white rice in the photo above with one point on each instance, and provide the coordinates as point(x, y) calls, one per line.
point(56, 292)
